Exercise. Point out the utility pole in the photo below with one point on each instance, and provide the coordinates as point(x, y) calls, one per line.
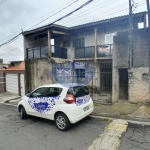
point(130, 15)
point(130, 37)
point(148, 10)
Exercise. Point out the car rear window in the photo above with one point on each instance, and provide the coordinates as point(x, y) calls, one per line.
point(78, 91)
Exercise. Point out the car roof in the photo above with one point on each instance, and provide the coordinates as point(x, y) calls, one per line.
point(52, 85)
point(66, 85)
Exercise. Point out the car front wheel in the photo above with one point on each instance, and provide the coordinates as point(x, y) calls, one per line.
point(62, 122)
point(23, 113)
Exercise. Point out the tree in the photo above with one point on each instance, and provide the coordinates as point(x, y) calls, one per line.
point(1, 60)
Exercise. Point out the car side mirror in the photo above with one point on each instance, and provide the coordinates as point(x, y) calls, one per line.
point(28, 94)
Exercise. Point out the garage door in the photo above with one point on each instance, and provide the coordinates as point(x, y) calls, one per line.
point(22, 84)
point(12, 83)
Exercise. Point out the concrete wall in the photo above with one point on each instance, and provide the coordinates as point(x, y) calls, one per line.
point(38, 72)
point(120, 60)
point(138, 85)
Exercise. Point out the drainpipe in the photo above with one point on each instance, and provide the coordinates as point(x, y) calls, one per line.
point(148, 10)
point(95, 43)
point(49, 44)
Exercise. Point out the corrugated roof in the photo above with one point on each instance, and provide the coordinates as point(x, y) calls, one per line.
point(83, 25)
point(45, 27)
point(107, 20)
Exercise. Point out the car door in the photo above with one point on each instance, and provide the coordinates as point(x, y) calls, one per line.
point(53, 98)
point(36, 102)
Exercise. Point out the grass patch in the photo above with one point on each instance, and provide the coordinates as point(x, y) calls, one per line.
point(105, 119)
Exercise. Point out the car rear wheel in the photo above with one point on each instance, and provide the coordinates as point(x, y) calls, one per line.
point(23, 113)
point(62, 122)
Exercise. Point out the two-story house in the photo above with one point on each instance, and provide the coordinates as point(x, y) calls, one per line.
point(91, 42)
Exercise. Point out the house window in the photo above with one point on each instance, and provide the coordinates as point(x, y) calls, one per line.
point(109, 38)
point(78, 43)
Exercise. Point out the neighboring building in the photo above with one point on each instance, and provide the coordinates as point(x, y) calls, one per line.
point(12, 77)
point(91, 42)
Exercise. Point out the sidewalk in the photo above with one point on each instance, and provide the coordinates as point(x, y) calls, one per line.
point(11, 98)
point(120, 110)
point(124, 110)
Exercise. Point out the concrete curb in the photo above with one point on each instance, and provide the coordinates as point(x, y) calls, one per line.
point(110, 139)
point(8, 104)
point(128, 120)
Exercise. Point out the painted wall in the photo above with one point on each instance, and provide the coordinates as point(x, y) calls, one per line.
point(89, 38)
point(2, 82)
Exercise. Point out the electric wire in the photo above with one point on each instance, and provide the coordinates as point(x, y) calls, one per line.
point(115, 12)
point(83, 5)
point(29, 42)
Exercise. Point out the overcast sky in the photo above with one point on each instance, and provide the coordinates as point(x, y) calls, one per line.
point(17, 15)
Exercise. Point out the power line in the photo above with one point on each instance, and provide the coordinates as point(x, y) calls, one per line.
point(85, 12)
point(52, 22)
point(63, 8)
point(70, 13)
point(100, 15)
point(54, 14)
point(107, 15)
point(2, 2)
point(62, 18)
point(35, 21)
point(11, 40)
point(70, 19)
point(46, 37)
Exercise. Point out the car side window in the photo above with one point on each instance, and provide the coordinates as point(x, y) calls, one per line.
point(53, 91)
point(39, 92)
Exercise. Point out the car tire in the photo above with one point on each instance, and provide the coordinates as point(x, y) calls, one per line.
point(23, 113)
point(62, 122)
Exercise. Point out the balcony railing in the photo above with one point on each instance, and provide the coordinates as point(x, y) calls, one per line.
point(42, 52)
point(88, 52)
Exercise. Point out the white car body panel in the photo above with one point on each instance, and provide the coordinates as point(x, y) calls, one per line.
point(73, 111)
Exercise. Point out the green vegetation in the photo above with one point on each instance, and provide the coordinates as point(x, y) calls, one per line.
point(1, 60)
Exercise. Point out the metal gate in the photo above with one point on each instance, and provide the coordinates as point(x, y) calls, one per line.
point(106, 77)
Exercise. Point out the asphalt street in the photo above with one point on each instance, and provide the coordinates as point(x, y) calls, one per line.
point(136, 138)
point(41, 134)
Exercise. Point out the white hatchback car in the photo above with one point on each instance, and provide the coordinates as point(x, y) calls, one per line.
point(64, 105)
